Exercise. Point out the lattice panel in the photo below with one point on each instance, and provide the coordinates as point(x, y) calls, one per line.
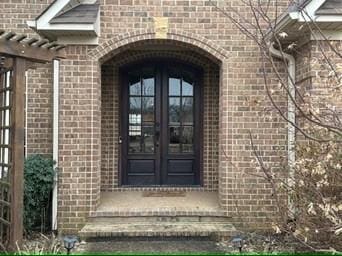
point(5, 155)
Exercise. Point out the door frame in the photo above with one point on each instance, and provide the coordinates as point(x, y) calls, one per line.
point(123, 104)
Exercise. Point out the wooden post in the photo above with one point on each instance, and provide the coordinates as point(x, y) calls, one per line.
point(18, 128)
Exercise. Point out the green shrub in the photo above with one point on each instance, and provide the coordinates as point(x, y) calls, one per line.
point(38, 184)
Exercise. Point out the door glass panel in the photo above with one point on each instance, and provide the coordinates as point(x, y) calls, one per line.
point(148, 135)
point(187, 139)
point(187, 89)
point(135, 110)
point(174, 110)
point(174, 139)
point(135, 87)
point(174, 86)
point(148, 86)
point(187, 111)
point(134, 105)
point(148, 109)
point(134, 134)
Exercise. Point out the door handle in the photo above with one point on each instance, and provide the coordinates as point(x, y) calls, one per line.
point(157, 133)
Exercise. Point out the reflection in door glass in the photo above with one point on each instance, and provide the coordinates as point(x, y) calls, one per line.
point(187, 89)
point(134, 134)
point(174, 110)
point(148, 135)
point(187, 111)
point(174, 143)
point(135, 87)
point(174, 86)
point(148, 109)
point(148, 86)
point(187, 139)
point(134, 105)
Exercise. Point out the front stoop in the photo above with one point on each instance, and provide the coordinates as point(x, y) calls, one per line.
point(130, 214)
point(154, 226)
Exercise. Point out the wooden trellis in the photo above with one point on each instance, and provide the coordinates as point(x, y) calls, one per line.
point(17, 54)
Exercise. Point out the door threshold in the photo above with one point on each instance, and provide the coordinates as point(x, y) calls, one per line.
point(161, 186)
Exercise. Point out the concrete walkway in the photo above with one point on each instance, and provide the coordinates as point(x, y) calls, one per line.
point(153, 246)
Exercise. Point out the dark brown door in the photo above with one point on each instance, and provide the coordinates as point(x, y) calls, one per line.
point(161, 125)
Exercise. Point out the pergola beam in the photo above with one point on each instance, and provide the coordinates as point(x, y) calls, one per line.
point(31, 52)
point(37, 50)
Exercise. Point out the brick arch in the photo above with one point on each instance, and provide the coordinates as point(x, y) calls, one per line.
point(110, 84)
point(226, 100)
point(190, 57)
point(122, 42)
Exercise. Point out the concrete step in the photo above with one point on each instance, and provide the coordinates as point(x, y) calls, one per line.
point(157, 229)
point(157, 212)
point(157, 219)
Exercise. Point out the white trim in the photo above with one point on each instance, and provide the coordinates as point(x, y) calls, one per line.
point(328, 18)
point(66, 27)
point(51, 12)
point(88, 1)
point(308, 14)
point(26, 111)
point(55, 138)
point(97, 24)
point(54, 9)
point(92, 138)
point(78, 40)
point(326, 34)
point(42, 24)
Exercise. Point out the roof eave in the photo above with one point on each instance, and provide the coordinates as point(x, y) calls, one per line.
point(283, 22)
point(54, 31)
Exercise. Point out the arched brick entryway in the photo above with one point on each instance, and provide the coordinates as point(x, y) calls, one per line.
point(179, 39)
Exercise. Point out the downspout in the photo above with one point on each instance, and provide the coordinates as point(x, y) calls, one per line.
point(55, 140)
point(291, 139)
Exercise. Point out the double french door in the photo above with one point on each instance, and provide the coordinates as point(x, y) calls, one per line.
point(161, 126)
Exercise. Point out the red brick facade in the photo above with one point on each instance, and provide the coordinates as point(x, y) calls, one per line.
point(89, 103)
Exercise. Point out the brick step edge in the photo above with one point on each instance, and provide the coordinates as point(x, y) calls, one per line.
point(156, 213)
point(99, 230)
point(159, 219)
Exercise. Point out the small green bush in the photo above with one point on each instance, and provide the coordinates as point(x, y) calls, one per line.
point(38, 184)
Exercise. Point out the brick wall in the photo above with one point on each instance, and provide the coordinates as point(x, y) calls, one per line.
point(39, 110)
point(14, 15)
point(323, 79)
point(314, 77)
point(79, 142)
point(124, 23)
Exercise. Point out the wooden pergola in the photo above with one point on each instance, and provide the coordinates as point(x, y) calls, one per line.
point(17, 54)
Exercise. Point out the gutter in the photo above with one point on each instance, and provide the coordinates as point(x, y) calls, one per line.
point(55, 140)
point(291, 139)
point(284, 21)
